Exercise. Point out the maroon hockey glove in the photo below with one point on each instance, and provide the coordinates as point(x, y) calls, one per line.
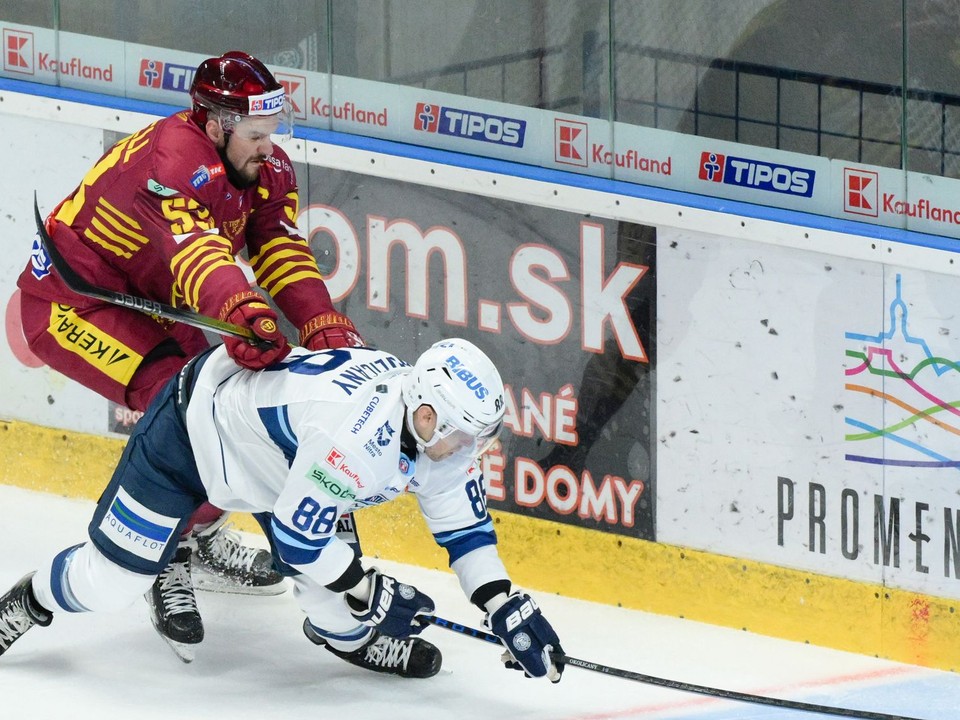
point(329, 330)
point(249, 310)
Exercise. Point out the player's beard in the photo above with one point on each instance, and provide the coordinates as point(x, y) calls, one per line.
point(236, 177)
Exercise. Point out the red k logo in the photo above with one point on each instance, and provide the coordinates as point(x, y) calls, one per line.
point(295, 88)
point(18, 51)
point(334, 457)
point(570, 142)
point(861, 194)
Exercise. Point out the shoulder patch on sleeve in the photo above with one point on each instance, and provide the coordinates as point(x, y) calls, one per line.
point(329, 485)
point(158, 189)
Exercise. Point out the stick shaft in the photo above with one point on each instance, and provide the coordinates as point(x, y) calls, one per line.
point(151, 307)
point(675, 684)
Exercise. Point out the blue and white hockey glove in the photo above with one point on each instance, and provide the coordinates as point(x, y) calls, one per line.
point(393, 606)
point(528, 637)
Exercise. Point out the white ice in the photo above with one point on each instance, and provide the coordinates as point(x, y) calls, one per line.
point(255, 663)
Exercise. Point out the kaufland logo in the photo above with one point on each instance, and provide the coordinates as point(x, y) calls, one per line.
point(469, 124)
point(756, 174)
point(18, 51)
point(572, 146)
point(159, 75)
point(861, 192)
point(295, 86)
point(570, 143)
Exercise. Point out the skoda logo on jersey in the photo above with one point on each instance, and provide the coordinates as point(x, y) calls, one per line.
point(328, 485)
point(469, 124)
point(384, 433)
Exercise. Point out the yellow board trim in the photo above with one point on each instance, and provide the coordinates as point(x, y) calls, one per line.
point(551, 557)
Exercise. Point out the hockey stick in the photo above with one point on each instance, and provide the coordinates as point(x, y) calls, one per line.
point(150, 307)
point(673, 684)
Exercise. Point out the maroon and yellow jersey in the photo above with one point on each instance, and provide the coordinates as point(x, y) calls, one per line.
point(158, 217)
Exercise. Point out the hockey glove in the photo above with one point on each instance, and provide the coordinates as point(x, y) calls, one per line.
point(528, 637)
point(249, 310)
point(329, 330)
point(393, 606)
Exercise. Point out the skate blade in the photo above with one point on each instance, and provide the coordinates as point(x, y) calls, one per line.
point(209, 582)
point(186, 653)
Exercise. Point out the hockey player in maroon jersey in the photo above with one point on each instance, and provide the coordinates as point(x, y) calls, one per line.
point(162, 215)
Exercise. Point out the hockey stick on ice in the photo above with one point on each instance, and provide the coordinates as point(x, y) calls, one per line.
point(150, 307)
point(674, 684)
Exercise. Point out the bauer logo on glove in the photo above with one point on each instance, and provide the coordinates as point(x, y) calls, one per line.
point(528, 637)
point(520, 614)
point(392, 607)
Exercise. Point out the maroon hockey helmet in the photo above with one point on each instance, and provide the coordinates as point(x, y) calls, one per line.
point(237, 85)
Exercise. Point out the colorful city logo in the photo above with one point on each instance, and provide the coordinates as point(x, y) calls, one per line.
point(903, 400)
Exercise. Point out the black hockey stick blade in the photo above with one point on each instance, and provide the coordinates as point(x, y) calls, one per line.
point(150, 307)
point(674, 684)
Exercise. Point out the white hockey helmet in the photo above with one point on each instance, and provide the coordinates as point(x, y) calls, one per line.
point(463, 387)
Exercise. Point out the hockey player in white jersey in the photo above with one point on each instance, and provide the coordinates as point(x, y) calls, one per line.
point(299, 444)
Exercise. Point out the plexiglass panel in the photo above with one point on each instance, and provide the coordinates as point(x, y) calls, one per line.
point(295, 36)
point(809, 76)
point(536, 53)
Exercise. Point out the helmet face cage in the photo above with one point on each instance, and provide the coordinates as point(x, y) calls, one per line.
point(236, 86)
point(463, 387)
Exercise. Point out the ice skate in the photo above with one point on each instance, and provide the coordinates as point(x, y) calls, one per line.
point(19, 611)
point(222, 563)
point(411, 657)
point(173, 606)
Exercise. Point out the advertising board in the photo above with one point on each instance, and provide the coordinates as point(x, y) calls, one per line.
point(807, 411)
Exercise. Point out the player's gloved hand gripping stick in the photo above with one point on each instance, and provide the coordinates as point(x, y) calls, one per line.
point(150, 307)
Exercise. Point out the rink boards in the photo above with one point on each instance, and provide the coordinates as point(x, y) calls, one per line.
point(783, 456)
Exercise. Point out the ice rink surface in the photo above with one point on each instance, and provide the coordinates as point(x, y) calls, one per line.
point(255, 662)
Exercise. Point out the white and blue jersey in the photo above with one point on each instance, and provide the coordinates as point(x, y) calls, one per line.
point(319, 435)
